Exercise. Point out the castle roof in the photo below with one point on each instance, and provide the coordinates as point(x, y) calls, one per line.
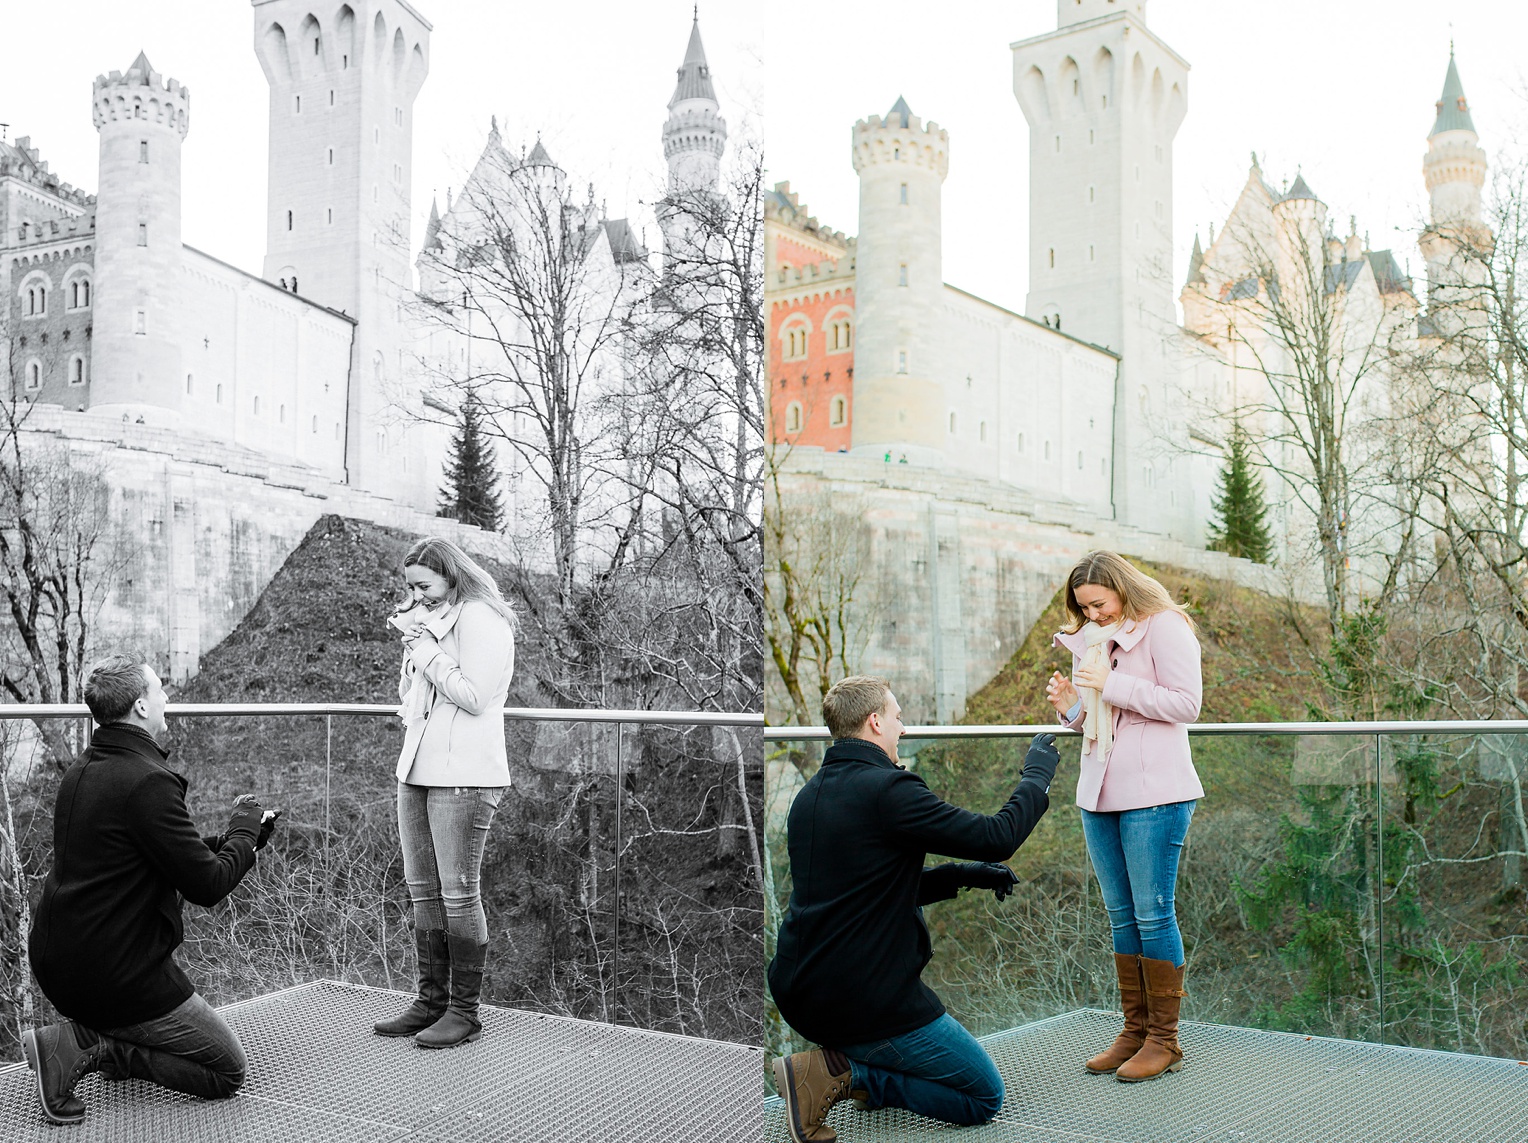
point(899, 109)
point(432, 230)
point(1196, 264)
point(624, 246)
point(1300, 189)
point(1453, 108)
point(539, 156)
point(694, 73)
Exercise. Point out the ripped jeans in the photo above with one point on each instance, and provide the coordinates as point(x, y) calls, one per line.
point(1135, 856)
point(443, 830)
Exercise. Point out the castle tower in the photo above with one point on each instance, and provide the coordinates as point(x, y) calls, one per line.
point(694, 138)
point(1455, 170)
point(1104, 98)
point(342, 90)
point(136, 357)
point(899, 285)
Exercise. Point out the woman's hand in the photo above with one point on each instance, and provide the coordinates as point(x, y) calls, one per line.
point(422, 647)
point(1060, 693)
point(1094, 677)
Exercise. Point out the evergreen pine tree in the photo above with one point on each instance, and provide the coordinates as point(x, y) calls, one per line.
point(471, 493)
point(1239, 526)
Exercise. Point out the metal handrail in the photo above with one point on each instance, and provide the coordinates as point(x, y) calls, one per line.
point(1457, 726)
point(519, 713)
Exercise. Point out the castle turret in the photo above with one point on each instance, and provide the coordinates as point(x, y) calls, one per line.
point(1455, 170)
point(694, 138)
point(342, 91)
point(1104, 98)
point(899, 285)
point(136, 359)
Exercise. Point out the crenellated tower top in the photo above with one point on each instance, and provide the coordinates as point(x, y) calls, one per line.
point(901, 138)
point(142, 95)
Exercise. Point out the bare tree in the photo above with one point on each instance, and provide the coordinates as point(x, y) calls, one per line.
point(58, 558)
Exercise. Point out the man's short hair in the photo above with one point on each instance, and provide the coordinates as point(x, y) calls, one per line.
point(113, 683)
point(849, 702)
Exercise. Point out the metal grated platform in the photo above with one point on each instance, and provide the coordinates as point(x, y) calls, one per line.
point(317, 1073)
point(1237, 1086)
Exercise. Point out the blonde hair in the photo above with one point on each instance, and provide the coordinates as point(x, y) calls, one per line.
point(1139, 594)
point(849, 702)
point(464, 578)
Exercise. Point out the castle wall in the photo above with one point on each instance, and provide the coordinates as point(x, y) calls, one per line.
point(264, 368)
point(58, 339)
point(203, 526)
point(959, 570)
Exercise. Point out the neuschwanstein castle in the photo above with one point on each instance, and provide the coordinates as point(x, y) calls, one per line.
point(229, 410)
point(988, 448)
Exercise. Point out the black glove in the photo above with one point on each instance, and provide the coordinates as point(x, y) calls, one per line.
point(943, 882)
point(245, 818)
point(1041, 761)
point(267, 825)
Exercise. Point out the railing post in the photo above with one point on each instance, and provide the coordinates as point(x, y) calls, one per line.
point(620, 790)
point(1379, 897)
point(328, 771)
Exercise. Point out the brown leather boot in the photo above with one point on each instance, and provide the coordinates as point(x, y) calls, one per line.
point(811, 1083)
point(1132, 998)
point(1160, 1054)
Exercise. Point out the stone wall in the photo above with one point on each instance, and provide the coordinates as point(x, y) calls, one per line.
point(961, 568)
point(203, 526)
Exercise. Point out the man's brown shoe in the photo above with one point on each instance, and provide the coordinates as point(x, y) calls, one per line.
point(811, 1083)
point(1160, 1053)
point(1132, 998)
point(59, 1059)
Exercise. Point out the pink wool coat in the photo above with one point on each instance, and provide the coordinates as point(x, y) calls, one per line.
point(1155, 688)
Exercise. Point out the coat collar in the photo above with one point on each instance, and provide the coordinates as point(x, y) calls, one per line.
point(1125, 638)
point(438, 625)
point(127, 736)
point(857, 750)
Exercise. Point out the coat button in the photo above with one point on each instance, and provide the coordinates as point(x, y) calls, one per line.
point(1115, 664)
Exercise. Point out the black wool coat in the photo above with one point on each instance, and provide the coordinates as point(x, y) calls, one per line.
point(853, 945)
point(125, 852)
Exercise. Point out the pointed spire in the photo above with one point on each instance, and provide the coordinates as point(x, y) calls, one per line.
point(694, 73)
point(142, 66)
point(1300, 189)
point(1453, 108)
point(539, 156)
point(432, 229)
point(493, 128)
point(1196, 264)
point(899, 110)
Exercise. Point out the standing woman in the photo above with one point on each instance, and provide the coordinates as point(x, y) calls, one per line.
point(459, 654)
point(1135, 686)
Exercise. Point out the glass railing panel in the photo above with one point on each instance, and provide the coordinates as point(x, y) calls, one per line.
point(1455, 927)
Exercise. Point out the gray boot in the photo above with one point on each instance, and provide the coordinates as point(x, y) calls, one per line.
point(460, 1024)
point(434, 960)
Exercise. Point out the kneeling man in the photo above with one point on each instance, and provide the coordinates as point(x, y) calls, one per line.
point(853, 945)
point(124, 853)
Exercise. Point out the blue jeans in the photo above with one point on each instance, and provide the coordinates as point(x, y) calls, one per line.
point(1135, 856)
point(189, 1049)
point(938, 1070)
point(443, 830)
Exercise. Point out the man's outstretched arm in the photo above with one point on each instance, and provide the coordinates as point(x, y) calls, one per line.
point(918, 816)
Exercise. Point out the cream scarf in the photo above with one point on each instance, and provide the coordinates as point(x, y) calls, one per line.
point(420, 697)
point(1099, 725)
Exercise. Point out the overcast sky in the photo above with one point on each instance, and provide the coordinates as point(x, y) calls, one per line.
point(594, 76)
point(1343, 90)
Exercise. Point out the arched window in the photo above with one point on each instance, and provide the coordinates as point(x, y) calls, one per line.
point(257, 406)
point(902, 274)
point(1079, 460)
point(42, 299)
point(1021, 442)
point(981, 431)
point(1047, 450)
point(794, 341)
point(281, 414)
point(904, 193)
point(838, 412)
point(34, 374)
point(32, 302)
point(217, 395)
point(315, 423)
point(837, 332)
point(188, 384)
point(76, 370)
point(793, 417)
point(952, 420)
point(901, 361)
